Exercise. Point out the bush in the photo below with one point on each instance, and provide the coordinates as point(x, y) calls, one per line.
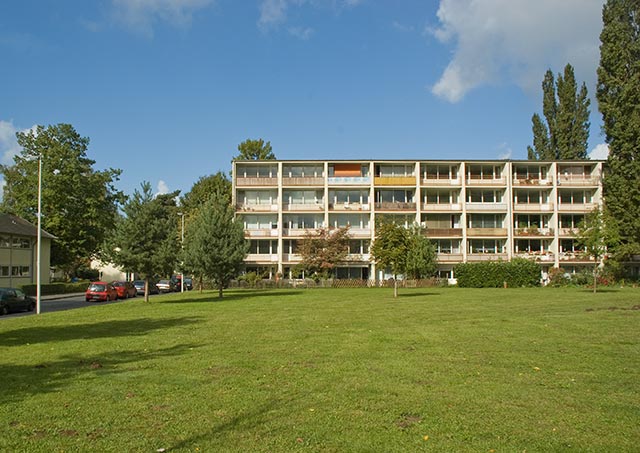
point(57, 288)
point(495, 274)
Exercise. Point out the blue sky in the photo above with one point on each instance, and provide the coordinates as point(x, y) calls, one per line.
point(167, 89)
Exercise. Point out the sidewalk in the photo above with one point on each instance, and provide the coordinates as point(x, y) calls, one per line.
point(59, 296)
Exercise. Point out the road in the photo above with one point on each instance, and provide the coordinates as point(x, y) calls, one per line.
point(66, 303)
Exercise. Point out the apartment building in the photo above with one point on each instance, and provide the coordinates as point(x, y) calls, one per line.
point(473, 210)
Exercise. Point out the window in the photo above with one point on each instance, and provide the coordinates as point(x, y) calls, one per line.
point(485, 221)
point(440, 197)
point(531, 220)
point(484, 172)
point(20, 271)
point(486, 246)
point(5, 241)
point(260, 222)
point(530, 245)
point(351, 220)
point(263, 247)
point(290, 246)
point(439, 171)
point(394, 196)
point(446, 246)
point(484, 196)
point(571, 220)
point(574, 196)
point(358, 246)
point(4, 271)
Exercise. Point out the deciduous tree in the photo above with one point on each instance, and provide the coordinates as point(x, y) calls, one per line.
point(390, 249)
point(422, 260)
point(618, 96)
point(255, 150)
point(79, 203)
point(323, 249)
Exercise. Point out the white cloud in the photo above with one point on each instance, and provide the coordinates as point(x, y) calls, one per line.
point(140, 15)
point(516, 41)
point(303, 33)
point(274, 12)
point(162, 188)
point(505, 151)
point(8, 143)
point(600, 152)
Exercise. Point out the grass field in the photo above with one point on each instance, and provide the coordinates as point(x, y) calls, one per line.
point(441, 369)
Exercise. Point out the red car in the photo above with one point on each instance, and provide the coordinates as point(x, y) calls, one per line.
point(101, 291)
point(125, 290)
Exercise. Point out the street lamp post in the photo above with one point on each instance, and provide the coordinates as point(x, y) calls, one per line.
point(181, 214)
point(39, 244)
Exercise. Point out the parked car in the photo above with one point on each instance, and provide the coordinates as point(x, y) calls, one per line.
point(101, 291)
point(125, 290)
point(139, 286)
point(165, 286)
point(13, 299)
point(188, 284)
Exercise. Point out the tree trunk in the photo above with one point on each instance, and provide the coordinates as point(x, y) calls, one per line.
point(220, 288)
point(395, 286)
point(595, 277)
point(146, 290)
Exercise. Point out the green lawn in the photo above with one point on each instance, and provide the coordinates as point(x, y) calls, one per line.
point(440, 369)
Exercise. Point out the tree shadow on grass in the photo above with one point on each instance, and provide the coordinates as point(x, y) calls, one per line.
point(87, 331)
point(603, 290)
point(419, 294)
point(22, 381)
point(234, 295)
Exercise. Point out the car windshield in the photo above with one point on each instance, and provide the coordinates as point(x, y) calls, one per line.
point(118, 283)
point(95, 287)
point(163, 282)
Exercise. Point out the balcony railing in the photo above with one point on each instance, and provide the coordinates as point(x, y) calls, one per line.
point(449, 257)
point(298, 232)
point(262, 257)
point(395, 206)
point(440, 182)
point(579, 207)
point(444, 232)
point(291, 258)
point(533, 207)
point(349, 180)
point(254, 181)
point(394, 180)
point(533, 231)
point(257, 207)
point(478, 181)
point(486, 256)
point(304, 207)
point(531, 182)
point(349, 206)
point(536, 256)
point(442, 207)
point(493, 232)
point(265, 232)
point(486, 207)
point(567, 231)
point(575, 256)
point(577, 180)
point(303, 181)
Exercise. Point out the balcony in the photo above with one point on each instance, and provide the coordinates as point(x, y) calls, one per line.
point(261, 233)
point(449, 257)
point(303, 181)
point(477, 181)
point(357, 232)
point(394, 180)
point(349, 180)
point(440, 182)
point(257, 207)
point(298, 232)
point(475, 257)
point(533, 207)
point(357, 258)
point(444, 232)
point(255, 181)
point(349, 206)
point(395, 206)
point(487, 232)
point(544, 257)
point(577, 180)
point(531, 182)
point(303, 207)
point(576, 257)
point(567, 231)
point(533, 231)
point(291, 258)
point(262, 258)
point(578, 207)
point(442, 207)
point(486, 207)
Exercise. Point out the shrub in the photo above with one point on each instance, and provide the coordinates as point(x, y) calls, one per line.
point(57, 288)
point(495, 274)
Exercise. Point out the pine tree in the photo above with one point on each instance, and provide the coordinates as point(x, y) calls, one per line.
point(214, 245)
point(566, 111)
point(618, 96)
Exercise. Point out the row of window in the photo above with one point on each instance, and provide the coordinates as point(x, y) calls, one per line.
point(305, 221)
point(427, 171)
point(442, 246)
point(15, 271)
point(440, 197)
point(14, 242)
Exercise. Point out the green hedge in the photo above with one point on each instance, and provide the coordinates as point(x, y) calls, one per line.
point(494, 274)
point(57, 288)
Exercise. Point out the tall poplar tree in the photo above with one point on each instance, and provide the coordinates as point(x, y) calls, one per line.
point(618, 96)
point(566, 112)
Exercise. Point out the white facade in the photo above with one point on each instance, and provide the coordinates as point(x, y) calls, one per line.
point(473, 210)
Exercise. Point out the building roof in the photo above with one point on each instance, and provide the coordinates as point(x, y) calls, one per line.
point(11, 224)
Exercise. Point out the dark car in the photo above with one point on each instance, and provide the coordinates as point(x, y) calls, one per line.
point(188, 284)
point(100, 291)
point(125, 290)
point(13, 299)
point(139, 285)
